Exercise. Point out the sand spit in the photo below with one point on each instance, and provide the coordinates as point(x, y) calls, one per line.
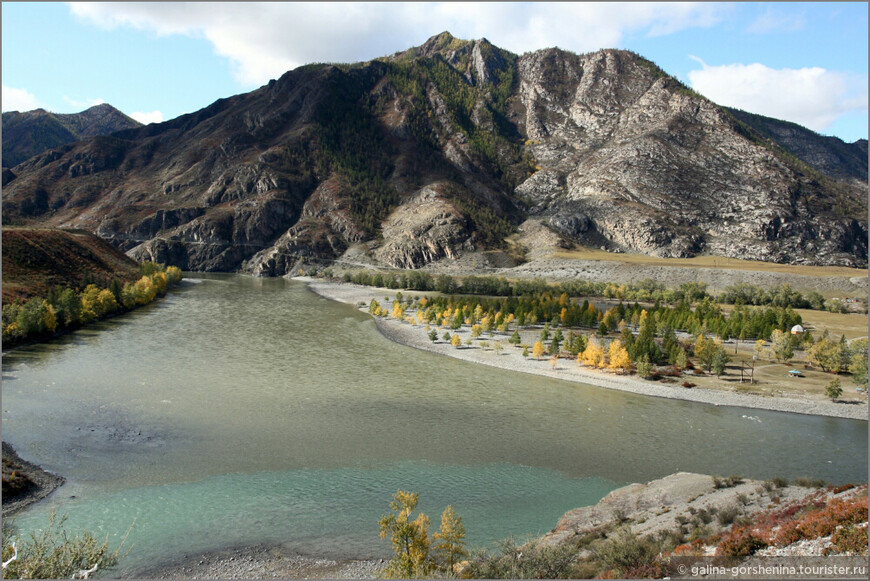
point(511, 359)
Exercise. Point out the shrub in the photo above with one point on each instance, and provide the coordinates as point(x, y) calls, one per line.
point(740, 541)
point(809, 482)
point(55, 553)
point(727, 515)
point(850, 539)
point(530, 561)
point(626, 552)
point(688, 384)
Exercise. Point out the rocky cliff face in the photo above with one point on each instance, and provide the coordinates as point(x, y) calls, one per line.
point(441, 150)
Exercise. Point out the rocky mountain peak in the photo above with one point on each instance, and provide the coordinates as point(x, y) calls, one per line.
point(444, 149)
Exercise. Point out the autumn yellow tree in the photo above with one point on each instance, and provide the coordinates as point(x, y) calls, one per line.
point(538, 350)
point(456, 341)
point(593, 355)
point(619, 358)
point(449, 545)
point(410, 538)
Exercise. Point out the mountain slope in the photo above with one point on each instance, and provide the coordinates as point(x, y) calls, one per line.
point(830, 155)
point(441, 150)
point(32, 132)
point(36, 260)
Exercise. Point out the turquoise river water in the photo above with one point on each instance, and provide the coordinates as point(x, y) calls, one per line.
point(240, 411)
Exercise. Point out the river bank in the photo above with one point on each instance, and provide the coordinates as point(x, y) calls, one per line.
point(24, 483)
point(262, 562)
point(511, 359)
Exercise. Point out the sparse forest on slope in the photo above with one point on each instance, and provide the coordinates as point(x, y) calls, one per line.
point(442, 150)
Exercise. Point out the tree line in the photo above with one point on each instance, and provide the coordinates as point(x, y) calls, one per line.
point(67, 308)
point(781, 296)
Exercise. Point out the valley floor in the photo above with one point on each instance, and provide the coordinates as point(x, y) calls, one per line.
point(511, 359)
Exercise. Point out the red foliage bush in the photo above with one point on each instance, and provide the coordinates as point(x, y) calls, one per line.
point(740, 541)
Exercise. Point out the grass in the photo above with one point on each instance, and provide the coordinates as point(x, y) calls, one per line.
point(852, 325)
point(584, 253)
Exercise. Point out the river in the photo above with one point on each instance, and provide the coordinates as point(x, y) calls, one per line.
point(240, 410)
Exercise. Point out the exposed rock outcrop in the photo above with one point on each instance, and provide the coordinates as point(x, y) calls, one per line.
point(443, 149)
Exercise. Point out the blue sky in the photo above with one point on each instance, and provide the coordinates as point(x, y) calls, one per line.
point(804, 62)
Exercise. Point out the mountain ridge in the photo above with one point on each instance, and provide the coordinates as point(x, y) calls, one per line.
point(29, 133)
point(441, 150)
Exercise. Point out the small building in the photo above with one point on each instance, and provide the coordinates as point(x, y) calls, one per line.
point(797, 330)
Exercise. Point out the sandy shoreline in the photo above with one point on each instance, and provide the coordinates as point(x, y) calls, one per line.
point(510, 359)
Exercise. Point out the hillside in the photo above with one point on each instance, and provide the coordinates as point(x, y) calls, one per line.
point(443, 150)
point(31, 132)
point(830, 155)
point(36, 260)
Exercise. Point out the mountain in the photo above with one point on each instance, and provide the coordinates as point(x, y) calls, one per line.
point(442, 150)
point(32, 132)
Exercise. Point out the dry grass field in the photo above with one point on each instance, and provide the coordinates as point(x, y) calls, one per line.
point(718, 262)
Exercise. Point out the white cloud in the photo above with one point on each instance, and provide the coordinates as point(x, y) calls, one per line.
point(263, 41)
point(18, 99)
point(777, 21)
point(145, 118)
point(82, 105)
point(813, 97)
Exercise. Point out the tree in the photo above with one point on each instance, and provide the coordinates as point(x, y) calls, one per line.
point(593, 355)
point(644, 367)
point(825, 354)
point(498, 347)
point(410, 538)
point(525, 350)
point(858, 363)
point(69, 307)
point(446, 336)
point(619, 358)
point(556, 343)
point(720, 360)
point(433, 335)
point(449, 545)
point(704, 350)
point(538, 350)
point(456, 341)
point(781, 343)
point(515, 339)
point(834, 390)
point(682, 359)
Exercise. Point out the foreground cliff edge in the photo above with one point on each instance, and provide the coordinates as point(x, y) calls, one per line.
point(415, 336)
